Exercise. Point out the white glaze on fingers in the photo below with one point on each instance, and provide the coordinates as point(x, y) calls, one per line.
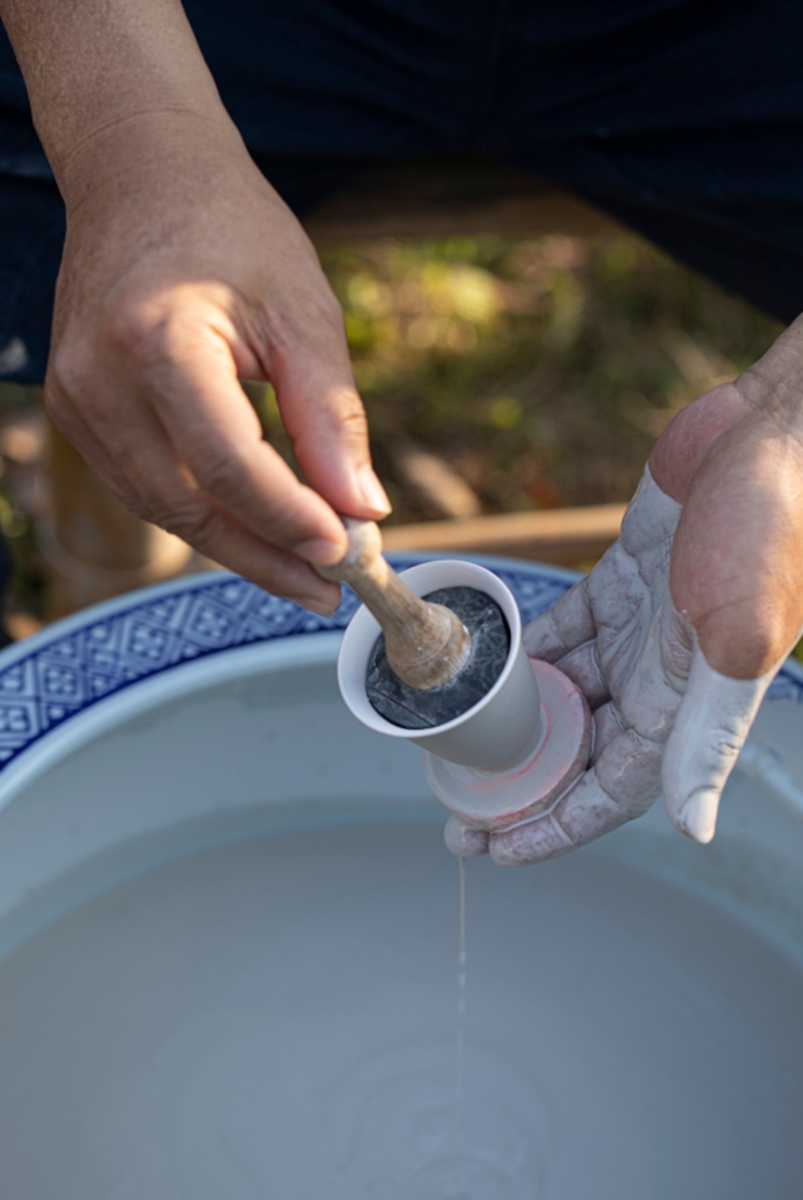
point(623, 783)
point(628, 592)
point(588, 810)
point(632, 668)
point(629, 643)
point(462, 840)
point(582, 667)
point(534, 842)
point(583, 814)
point(629, 770)
point(568, 624)
point(651, 518)
point(664, 717)
point(608, 724)
point(710, 729)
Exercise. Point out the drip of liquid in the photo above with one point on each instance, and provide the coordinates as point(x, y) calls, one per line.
point(461, 1003)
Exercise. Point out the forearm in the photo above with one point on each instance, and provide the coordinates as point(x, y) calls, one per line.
point(100, 71)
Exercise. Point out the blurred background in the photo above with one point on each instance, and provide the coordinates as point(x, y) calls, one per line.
point(499, 375)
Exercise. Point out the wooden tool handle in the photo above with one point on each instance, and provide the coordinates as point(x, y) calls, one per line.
point(426, 644)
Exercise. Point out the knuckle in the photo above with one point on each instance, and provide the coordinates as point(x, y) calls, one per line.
point(314, 319)
point(218, 470)
point(348, 414)
point(330, 310)
point(321, 304)
point(761, 650)
point(69, 378)
point(191, 520)
point(283, 525)
point(132, 325)
point(349, 410)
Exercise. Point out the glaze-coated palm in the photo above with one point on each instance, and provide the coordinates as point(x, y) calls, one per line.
point(677, 632)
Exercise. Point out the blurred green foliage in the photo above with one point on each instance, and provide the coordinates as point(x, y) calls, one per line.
point(541, 371)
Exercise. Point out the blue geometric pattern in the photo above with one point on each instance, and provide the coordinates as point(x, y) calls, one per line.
point(787, 685)
point(73, 671)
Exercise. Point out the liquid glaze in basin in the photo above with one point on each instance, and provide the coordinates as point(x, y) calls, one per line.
point(228, 928)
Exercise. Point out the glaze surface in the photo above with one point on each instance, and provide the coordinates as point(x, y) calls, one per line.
point(276, 1021)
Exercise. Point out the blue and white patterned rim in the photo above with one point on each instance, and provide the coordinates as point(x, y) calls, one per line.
point(80, 662)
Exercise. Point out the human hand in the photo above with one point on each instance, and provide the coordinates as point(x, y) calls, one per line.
point(676, 634)
point(184, 271)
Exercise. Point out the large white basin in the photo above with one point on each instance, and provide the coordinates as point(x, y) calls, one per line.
point(228, 945)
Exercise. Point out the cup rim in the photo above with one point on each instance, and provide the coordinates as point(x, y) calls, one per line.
point(364, 629)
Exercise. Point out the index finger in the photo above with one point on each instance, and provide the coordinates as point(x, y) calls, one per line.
point(622, 784)
point(565, 626)
point(208, 418)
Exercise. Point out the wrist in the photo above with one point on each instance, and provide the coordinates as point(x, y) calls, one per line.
point(99, 71)
point(149, 154)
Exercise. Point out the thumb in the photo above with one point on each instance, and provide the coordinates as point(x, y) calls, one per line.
point(324, 415)
point(711, 725)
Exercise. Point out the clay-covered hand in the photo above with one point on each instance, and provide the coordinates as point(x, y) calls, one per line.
point(676, 634)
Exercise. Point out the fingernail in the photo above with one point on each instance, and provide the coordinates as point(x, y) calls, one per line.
point(320, 551)
point(316, 606)
point(373, 493)
point(698, 816)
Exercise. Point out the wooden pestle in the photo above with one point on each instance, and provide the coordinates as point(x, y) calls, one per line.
point(426, 644)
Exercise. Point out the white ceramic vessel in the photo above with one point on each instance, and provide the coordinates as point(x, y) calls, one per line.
point(228, 944)
point(500, 732)
point(513, 753)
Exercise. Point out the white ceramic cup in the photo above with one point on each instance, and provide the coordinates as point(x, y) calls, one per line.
point(503, 729)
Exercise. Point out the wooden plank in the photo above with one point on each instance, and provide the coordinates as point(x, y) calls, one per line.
point(563, 536)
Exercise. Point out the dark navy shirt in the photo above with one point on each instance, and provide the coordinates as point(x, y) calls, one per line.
point(684, 118)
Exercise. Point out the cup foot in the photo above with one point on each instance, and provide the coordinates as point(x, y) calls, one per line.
point(497, 801)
